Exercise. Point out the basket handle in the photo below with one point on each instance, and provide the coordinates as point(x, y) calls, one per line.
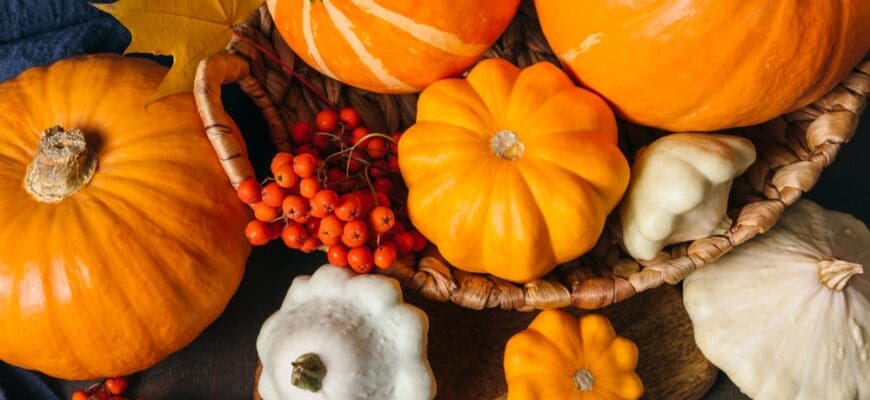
point(222, 132)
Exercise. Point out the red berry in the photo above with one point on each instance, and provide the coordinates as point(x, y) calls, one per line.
point(355, 233)
point(349, 207)
point(382, 219)
point(394, 145)
point(280, 159)
point(286, 177)
point(307, 149)
point(394, 164)
point(420, 241)
point(349, 116)
point(301, 133)
point(258, 233)
point(324, 201)
point(404, 242)
point(322, 142)
point(334, 175)
point(296, 208)
point(360, 259)
point(384, 185)
point(379, 169)
point(310, 244)
point(272, 195)
point(385, 256)
point(376, 148)
point(304, 165)
point(249, 191)
point(383, 200)
point(308, 187)
point(312, 226)
point(399, 227)
point(116, 385)
point(265, 213)
point(337, 255)
point(357, 134)
point(326, 120)
point(330, 230)
point(80, 395)
point(294, 235)
point(368, 202)
point(355, 161)
point(275, 229)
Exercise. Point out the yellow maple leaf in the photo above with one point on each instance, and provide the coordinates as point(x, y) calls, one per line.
point(188, 30)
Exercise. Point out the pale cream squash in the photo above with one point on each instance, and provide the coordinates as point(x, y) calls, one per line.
point(342, 336)
point(787, 315)
point(679, 189)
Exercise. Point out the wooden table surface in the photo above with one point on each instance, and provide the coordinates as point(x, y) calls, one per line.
point(221, 362)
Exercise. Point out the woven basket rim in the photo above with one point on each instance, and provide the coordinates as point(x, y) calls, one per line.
point(790, 160)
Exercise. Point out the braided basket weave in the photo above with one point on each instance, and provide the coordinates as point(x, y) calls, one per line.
point(792, 152)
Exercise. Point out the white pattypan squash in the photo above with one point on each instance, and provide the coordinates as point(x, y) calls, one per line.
point(679, 189)
point(787, 314)
point(343, 336)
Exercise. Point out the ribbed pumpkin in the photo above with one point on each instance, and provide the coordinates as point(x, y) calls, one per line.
point(511, 172)
point(707, 65)
point(121, 237)
point(396, 46)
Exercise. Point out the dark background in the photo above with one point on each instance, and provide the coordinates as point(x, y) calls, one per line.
point(220, 364)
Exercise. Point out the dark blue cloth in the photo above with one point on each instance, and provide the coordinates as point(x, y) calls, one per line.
point(39, 32)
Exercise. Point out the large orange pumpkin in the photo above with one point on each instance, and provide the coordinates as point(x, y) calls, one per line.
point(121, 237)
point(511, 172)
point(395, 46)
point(707, 65)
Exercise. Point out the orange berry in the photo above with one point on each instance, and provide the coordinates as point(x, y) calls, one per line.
point(249, 190)
point(304, 165)
point(116, 385)
point(337, 255)
point(80, 395)
point(286, 177)
point(355, 233)
point(280, 159)
point(330, 230)
point(376, 148)
point(272, 195)
point(349, 116)
point(257, 232)
point(301, 133)
point(265, 213)
point(360, 259)
point(308, 187)
point(349, 207)
point(294, 235)
point(326, 120)
point(382, 219)
point(385, 256)
point(310, 244)
point(296, 208)
point(325, 201)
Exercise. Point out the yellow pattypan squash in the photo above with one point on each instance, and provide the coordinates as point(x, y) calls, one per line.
point(559, 357)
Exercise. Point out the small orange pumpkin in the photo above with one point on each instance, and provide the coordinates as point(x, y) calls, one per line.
point(558, 357)
point(121, 237)
point(511, 172)
point(707, 65)
point(396, 46)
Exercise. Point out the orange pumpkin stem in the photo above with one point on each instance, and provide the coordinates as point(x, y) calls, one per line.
point(63, 165)
point(583, 380)
point(835, 274)
point(507, 145)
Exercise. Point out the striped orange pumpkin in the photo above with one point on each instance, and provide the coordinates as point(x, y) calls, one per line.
point(395, 46)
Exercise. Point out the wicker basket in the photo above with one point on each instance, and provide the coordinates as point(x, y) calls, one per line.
point(792, 152)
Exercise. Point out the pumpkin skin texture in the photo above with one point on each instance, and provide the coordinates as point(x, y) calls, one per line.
point(787, 314)
point(559, 357)
point(512, 218)
point(707, 65)
point(133, 266)
point(396, 46)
